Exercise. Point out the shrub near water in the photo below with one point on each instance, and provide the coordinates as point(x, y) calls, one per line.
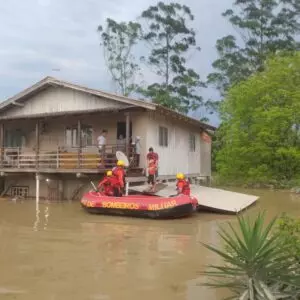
point(289, 231)
point(257, 264)
point(259, 139)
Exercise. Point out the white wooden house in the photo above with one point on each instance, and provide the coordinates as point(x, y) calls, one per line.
point(51, 129)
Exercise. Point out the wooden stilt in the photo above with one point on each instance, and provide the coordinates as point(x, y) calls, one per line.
point(37, 192)
point(126, 188)
point(61, 190)
point(79, 138)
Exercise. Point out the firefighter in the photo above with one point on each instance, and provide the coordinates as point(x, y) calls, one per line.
point(119, 173)
point(183, 185)
point(152, 168)
point(110, 185)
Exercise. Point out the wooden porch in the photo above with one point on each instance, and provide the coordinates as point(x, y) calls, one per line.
point(64, 160)
point(58, 156)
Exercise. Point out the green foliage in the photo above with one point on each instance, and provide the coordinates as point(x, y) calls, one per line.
point(118, 40)
point(288, 230)
point(170, 41)
point(264, 27)
point(260, 134)
point(257, 265)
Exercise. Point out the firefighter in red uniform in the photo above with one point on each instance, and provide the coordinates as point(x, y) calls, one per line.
point(110, 185)
point(183, 185)
point(119, 173)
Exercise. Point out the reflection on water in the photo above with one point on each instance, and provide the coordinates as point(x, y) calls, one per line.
point(57, 251)
point(45, 215)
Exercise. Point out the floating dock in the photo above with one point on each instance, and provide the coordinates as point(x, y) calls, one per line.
point(210, 199)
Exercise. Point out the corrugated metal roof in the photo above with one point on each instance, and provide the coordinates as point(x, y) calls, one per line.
point(50, 81)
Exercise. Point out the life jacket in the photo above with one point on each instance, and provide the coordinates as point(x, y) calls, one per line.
point(183, 187)
point(120, 174)
point(152, 168)
point(109, 184)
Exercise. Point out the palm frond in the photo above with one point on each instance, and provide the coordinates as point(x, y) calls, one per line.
point(256, 265)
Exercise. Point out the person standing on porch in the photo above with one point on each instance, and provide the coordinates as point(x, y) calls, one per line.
point(137, 150)
point(101, 141)
point(153, 155)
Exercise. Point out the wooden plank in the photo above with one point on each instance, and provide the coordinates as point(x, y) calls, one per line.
point(219, 200)
point(143, 188)
point(211, 199)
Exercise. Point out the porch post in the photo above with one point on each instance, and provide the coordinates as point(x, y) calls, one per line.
point(127, 133)
point(79, 139)
point(37, 184)
point(37, 143)
point(2, 144)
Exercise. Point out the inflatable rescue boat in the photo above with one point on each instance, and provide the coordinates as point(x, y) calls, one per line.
point(142, 206)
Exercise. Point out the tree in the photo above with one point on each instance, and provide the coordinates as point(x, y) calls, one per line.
point(260, 134)
point(257, 264)
point(264, 27)
point(118, 40)
point(170, 41)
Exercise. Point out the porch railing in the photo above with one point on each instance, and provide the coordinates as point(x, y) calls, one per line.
point(63, 157)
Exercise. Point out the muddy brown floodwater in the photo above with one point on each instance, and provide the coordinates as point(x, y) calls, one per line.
point(57, 251)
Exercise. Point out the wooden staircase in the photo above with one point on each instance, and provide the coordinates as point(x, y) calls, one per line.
point(4, 192)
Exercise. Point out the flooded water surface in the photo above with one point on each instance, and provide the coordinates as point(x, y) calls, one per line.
point(58, 251)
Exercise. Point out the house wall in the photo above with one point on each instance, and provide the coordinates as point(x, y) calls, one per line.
point(28, 181)
point(58, 99)
point(205, 152)
point(54, 134)
point(177, 157)
point(69, 186)
point(140, 125)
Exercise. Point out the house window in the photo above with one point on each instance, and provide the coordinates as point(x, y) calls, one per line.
point(163, 137)
point(20, 191)
point(192, 142)
point(71, 136)
point(14, 138)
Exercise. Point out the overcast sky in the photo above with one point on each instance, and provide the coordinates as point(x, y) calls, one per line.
point(39, 37)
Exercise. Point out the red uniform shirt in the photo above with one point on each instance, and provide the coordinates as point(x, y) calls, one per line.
point(109, 183)
point(183, 187)
point(120, 174)
point(152, 155)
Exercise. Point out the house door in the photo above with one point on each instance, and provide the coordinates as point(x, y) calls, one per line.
point(52, 193)
point(121, 129)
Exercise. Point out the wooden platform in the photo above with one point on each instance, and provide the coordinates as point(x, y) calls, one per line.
point(211, 199)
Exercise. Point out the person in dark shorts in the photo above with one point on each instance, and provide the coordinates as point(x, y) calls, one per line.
point(152, 174)
point(153, 155)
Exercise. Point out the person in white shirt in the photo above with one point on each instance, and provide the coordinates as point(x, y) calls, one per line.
point(137, 150)
point(101, 140)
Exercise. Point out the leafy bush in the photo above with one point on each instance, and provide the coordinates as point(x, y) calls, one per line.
point(288, 230)
point(257, 264)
